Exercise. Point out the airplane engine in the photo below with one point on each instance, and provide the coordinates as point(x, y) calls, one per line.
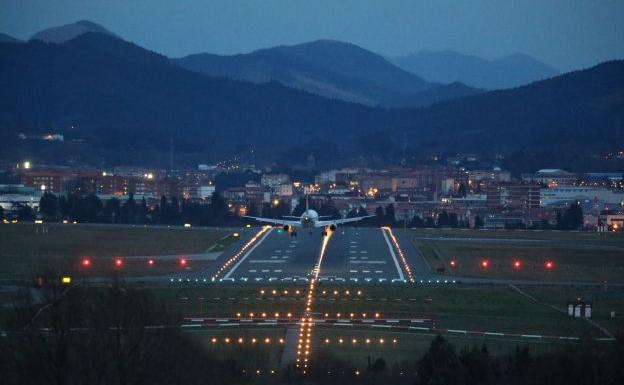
point(332, 227)
point(286, 227)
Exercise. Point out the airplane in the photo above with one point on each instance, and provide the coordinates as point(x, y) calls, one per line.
point(309, 219)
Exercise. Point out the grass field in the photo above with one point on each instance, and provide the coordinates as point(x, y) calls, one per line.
point(520, 234)
point(254, 348)
point(26, 252)
point(589, 257)
point(477, 308)
point(398, 347)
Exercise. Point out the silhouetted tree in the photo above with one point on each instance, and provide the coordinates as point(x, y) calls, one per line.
point(440, 365)
point(48, 206)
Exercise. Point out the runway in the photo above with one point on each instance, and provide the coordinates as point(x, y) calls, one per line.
point(353, 254)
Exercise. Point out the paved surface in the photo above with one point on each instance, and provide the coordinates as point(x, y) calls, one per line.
point(278, 257)
point(360, 255)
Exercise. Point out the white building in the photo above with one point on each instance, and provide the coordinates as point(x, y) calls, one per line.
point(274, 180)
point(561, 195)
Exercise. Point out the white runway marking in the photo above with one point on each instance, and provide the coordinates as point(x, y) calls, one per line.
point(353, 271)
point(363, 252)
point(365, 271)
point(274, 257)
point(265, 271)
point(247, 253)
point(391, 249)
point(369, 262)
point(352, 251)
point(277, 271)
point(352, 246)
point(252, 270)
point(278, 251)
point(378, 271)
point(266, 261)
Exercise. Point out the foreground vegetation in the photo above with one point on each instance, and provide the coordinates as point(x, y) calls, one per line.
point(120, 335)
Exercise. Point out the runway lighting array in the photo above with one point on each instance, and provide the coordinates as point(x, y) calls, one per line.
point(305, 332)
point(243, 340)
point(401, 254)
point(247, 245)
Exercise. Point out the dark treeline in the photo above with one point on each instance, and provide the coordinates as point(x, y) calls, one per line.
point(105, 335)
point(171, 211)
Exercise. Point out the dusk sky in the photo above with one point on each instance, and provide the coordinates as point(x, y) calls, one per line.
point(567, 34)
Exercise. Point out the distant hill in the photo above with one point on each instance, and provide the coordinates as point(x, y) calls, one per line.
point(117, 103)
point(67, 32)
point(125, 103)
point(328, 68)
point(449, 66)
point(570, 119)
point(4, 38)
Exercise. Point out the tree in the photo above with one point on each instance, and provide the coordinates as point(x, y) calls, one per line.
point(572, 218)
point(478, 222)
point(417, 221)
point(479, 368)
point(380, 216)
point(48, 206)
point(440, 365)
point(390, 215)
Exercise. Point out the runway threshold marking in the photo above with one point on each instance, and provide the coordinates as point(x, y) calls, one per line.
point(394, 258)
point(257, 243)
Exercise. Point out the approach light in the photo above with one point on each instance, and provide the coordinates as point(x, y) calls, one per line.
point(183, 261)
point(550, 264)
point(150, 261)
point(517, 264)
point(86, 262)
point(453, 263)
point(485, 263)
point(118, 262)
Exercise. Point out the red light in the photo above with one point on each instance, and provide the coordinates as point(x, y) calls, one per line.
point(150, 262)
point(453, 263)
point(86, 262)
point(549, 264)
point(183, 261)
point(485, 263)
point(517, 264)
point(118, 262)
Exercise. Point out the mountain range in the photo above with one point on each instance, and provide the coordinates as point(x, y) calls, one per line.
point(118, 103)
point(332, 69)
point(449, 66)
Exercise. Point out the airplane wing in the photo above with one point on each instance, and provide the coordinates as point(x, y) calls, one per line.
point(276, 221)
point(336, 222)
